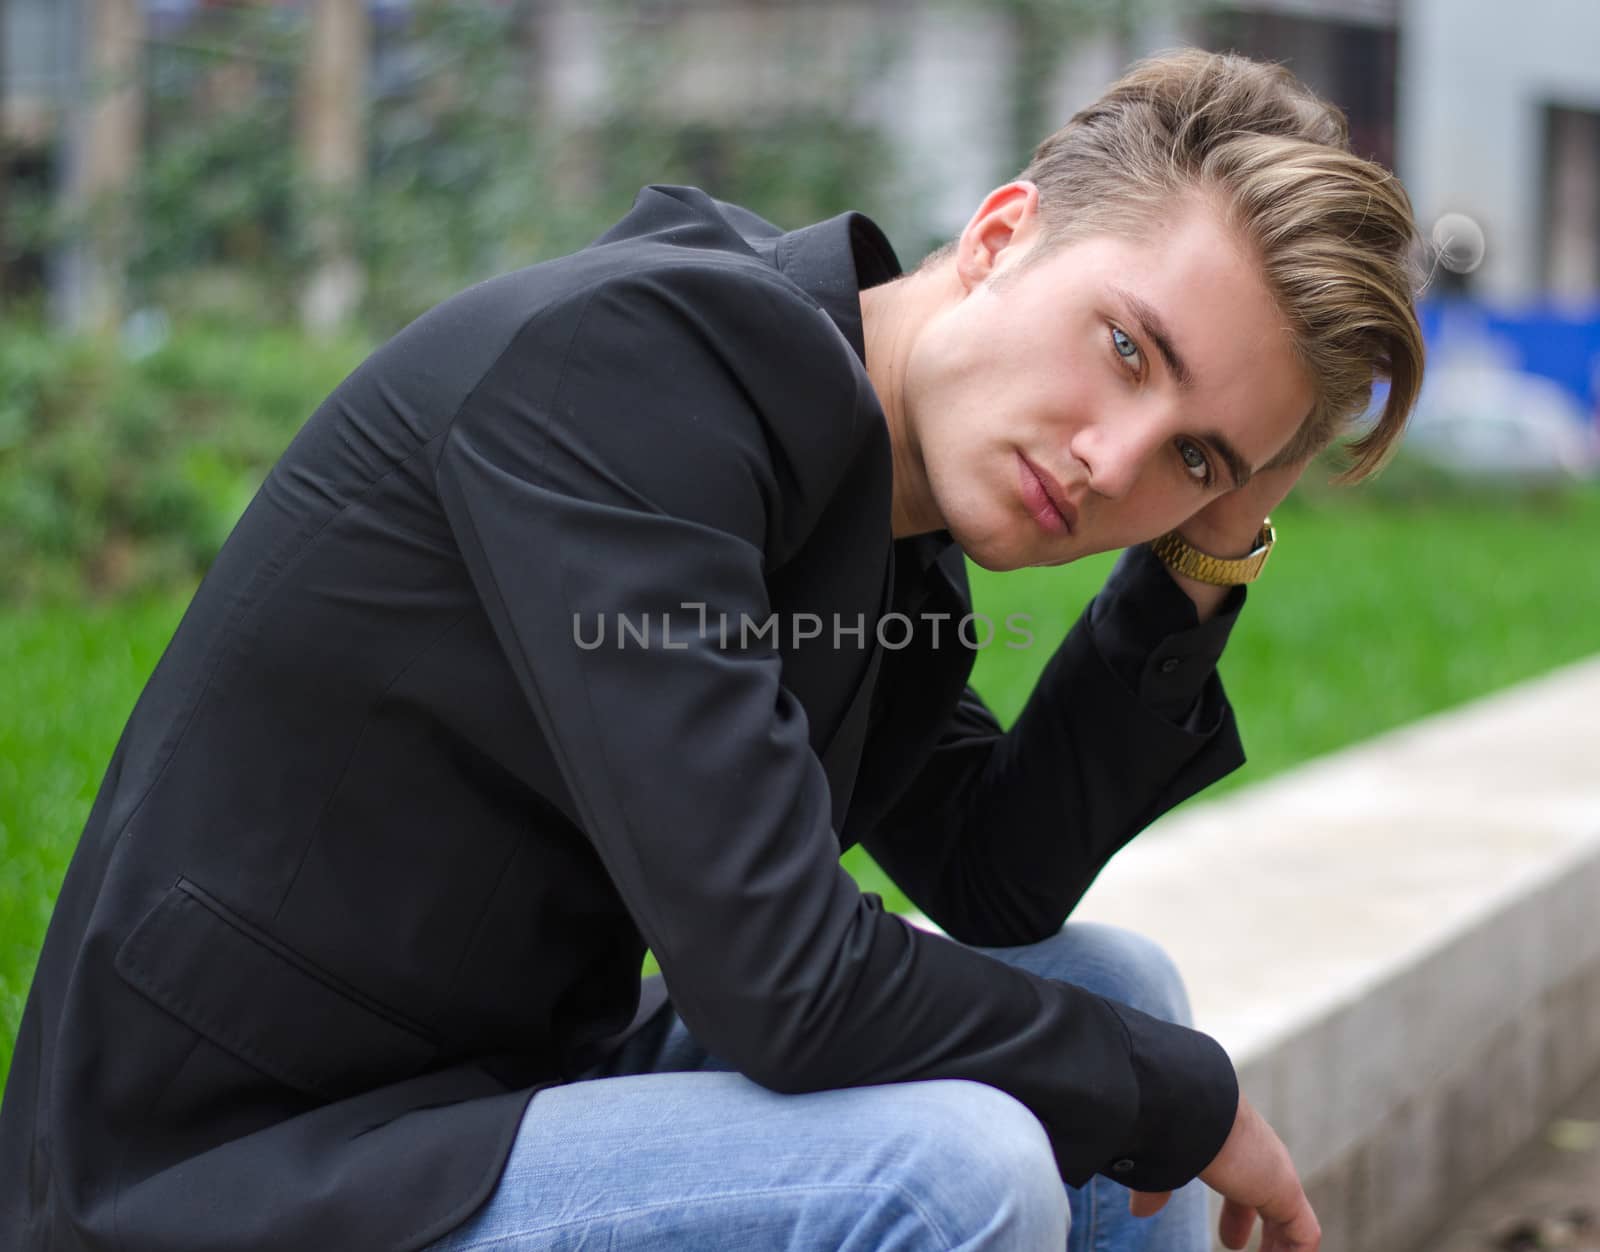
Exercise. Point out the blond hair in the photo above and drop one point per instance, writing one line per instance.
(1333, 234)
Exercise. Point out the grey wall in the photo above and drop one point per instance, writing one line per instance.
(40, 63)
(1475, 78)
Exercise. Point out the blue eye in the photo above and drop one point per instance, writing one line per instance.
(1195, 462)
(1124, 347)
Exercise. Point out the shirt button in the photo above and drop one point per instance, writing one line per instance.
(1123, 1166)
(1170, 664)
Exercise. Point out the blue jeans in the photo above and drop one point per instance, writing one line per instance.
(664, 1150)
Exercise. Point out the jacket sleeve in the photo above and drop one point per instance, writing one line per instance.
(1002, 832)
(695, 423)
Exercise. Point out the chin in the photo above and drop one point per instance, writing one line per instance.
(990, 548)
(992, 536)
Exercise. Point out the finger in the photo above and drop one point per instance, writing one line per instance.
(1302, 1235)
(1294, 1221)
(1147, 1203)
(1236, 1223)
(1280, 1242)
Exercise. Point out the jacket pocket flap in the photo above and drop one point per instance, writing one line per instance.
(247, 993)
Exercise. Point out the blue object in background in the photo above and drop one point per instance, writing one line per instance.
(1560, 344)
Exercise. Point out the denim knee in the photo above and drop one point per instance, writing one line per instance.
(1122, 965)
(981, 1165)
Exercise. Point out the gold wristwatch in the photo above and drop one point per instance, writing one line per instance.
(1178, 554)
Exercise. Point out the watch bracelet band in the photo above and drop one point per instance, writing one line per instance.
(1178, 554)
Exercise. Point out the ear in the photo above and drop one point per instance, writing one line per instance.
(1003, 226)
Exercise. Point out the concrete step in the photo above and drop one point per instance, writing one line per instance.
(1547, 1196)
(1398, 944)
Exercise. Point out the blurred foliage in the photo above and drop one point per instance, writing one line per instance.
(124, 466)
(469, 180)
(466, 174)
(1039, 31)
(469, 172)
(215, 197)
(461, 181)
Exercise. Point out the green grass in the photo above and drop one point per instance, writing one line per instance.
(1370, 615)
(68, 679)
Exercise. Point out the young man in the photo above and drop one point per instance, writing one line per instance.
(600, 609)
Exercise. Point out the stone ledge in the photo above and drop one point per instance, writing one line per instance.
(1398, 946)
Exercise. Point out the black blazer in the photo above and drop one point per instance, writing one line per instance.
(383, 843)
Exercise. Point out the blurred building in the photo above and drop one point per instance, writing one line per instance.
(38, 74)
(1484, 108)
(943, 73)
(1500, 112)
(1346, 50)
(1487, 109)
(39, 67)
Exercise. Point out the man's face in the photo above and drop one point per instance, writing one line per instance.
(1133, 379)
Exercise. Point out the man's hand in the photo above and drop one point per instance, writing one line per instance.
(1253, 1174)
(1228, 526)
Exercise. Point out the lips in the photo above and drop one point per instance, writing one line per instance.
(1045, 499)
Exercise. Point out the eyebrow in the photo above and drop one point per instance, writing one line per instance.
(1238, 468)
(1155, 330)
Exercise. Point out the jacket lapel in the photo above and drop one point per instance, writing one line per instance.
(841, 757)
(917, 686)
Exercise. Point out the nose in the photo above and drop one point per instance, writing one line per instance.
(1115, 452)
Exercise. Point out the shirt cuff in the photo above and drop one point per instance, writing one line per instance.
(1188, 1100)
(1150, 635)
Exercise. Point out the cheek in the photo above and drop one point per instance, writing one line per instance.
(1158, 503)
(943, 394)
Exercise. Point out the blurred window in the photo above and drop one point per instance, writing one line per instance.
(1351, 63)
(1570, 237)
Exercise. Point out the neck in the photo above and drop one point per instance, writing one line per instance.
(891, 316)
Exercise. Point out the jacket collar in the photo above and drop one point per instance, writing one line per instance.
(834, 261)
